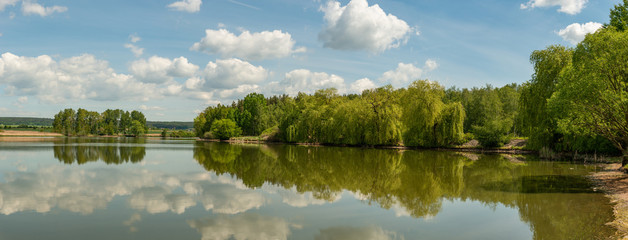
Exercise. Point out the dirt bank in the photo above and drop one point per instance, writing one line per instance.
(14, 133)
(615, 184)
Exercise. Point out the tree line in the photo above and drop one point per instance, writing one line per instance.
(110, 122)
(424, 114)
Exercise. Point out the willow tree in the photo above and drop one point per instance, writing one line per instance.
(593, 91)
(538, 124)
(422, 104)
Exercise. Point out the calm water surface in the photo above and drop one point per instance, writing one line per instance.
(180, 189)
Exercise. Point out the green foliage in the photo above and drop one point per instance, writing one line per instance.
(619, 17)
(493, 133)
(538, 123)
(181, 134)
(224, 129)
(422, 106)
(137, 128)
(110, 122)
(381, 116)
(592, 95)
(170, 125)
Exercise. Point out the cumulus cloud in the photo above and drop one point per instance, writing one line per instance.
(306, 81)
(406, 73)
(243, 226)
(30, 8)
(571, 7)
(190, 6)
(4, 3)
(357, 233)
(227, 74)
(80, 77)
(576, 32)
(361, 85)
(358, 26)
(160, 70)
(249, 46)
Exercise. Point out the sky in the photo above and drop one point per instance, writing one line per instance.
(172, 59)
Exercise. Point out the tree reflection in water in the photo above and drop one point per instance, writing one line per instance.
(108, 150)
(554, 198)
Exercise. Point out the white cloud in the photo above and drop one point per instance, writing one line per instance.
(137, 51)
(151, 108)
(134, 38)
(4, 3)
(248, 46)
(160, 70)
(576, 32)
(357, 233)
(22, 100)
(80, 77)
(430, 65)
(406, 73)
(186, 6)
(571, 7)
(30, 8)
(357, 26)
(303, 80)
(244, 226)
(361, 85)
(228, 74)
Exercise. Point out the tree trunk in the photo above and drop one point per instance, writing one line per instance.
(624, 161)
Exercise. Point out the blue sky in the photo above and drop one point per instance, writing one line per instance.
(171, 59)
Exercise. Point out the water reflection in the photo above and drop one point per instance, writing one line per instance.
(108, 150)
(416, 183)
(243, 226)
(356, 233)
(291, 192)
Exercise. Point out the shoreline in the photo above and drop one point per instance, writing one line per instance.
(614, 184)
(462, 148)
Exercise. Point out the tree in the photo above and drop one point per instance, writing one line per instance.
(225, 129)
(537, 122)
(253, 105)
(82, 124)
(137, 128)
(139, 116)
(422, 104)
(592, 95)
(619, 17)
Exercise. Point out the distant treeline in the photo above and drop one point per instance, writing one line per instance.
(170, 125)
(109, 122)
(28, 121)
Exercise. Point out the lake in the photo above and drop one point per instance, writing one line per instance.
(125, 188)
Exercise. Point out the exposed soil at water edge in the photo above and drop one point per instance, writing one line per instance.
(615, 184)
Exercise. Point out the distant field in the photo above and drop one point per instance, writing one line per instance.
(30, 132)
